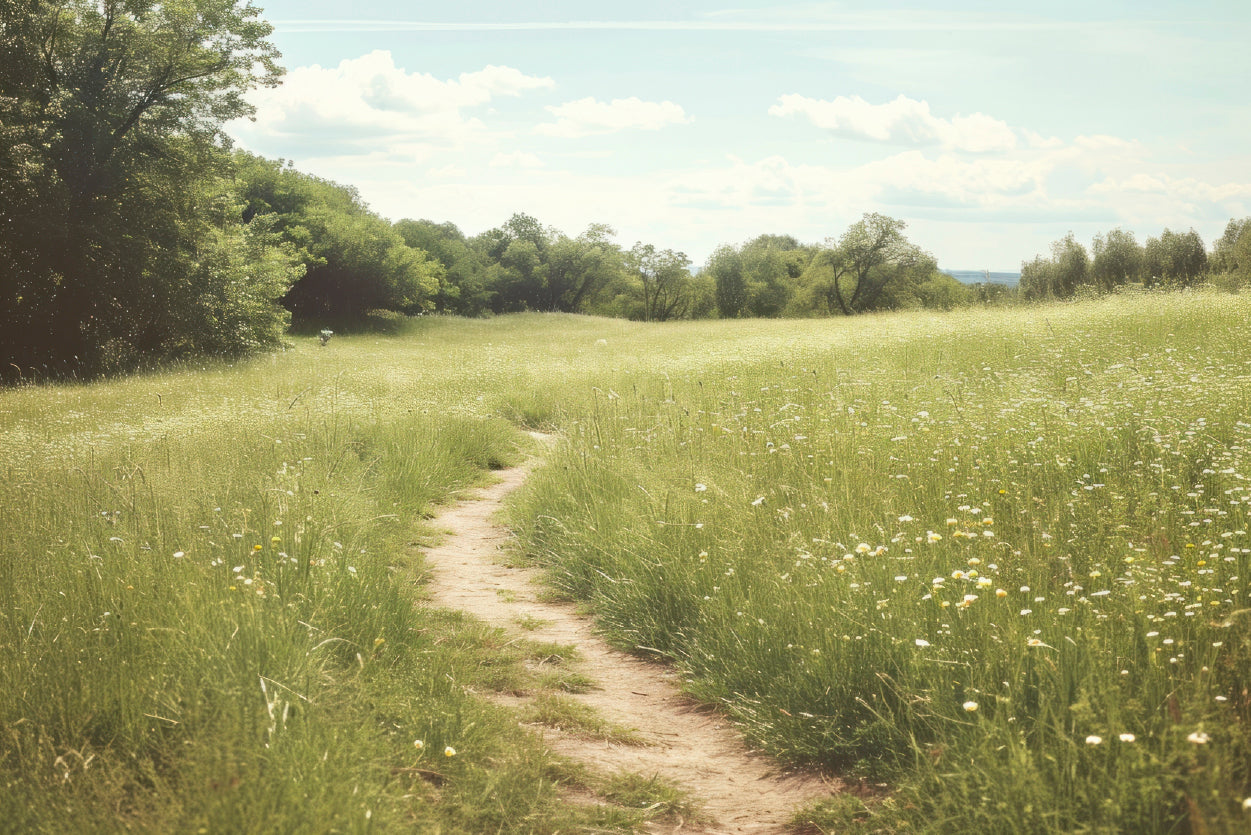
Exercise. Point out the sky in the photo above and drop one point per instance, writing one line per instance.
(991, 128)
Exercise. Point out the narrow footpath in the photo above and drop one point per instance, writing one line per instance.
(686, 744)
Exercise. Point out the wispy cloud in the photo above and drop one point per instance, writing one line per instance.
(588, 117)
(894, 23)
(903, 121)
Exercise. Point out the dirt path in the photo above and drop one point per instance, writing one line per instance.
(687, 745)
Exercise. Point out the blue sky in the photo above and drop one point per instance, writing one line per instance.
(992, 128)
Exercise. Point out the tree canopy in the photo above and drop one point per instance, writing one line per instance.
(113, 185)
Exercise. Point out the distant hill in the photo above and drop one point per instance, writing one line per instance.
(979, 277)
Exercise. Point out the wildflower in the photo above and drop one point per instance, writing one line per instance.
(1093, 739)
(933, 537)
(970, 707)
(921, 642)
(449, 751)
(256, 547)
(863, 548)
(1000, 593)
(179, 555)
(275, 541)
(699, 488)
(1035, 642)
(1199, 738)
(758, 501)
(1246, 805)
(1126, 737)
(905, 518)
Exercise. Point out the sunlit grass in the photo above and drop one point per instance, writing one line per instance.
(997, 559)
(206, 618)
(1003, 561)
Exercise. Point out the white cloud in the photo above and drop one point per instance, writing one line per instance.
(903, 121)
(1103, 142)
(588, 117)
(515, 159)
(1234, 196)
(450, 171)
(368, 103)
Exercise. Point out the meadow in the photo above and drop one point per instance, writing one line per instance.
(995, 562)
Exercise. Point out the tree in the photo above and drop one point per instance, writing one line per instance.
(771, 264)
(1231, 252)
(1117, 259)
(465, 286)
(664, 278)
(111, 112)
(1072, 266)
(725, 266)
(576, 267)
(356, 261)
(1175, 259)
(1058, 276)
(869, 255)
(1038, 278)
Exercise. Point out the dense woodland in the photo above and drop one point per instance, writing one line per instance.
(130, 231)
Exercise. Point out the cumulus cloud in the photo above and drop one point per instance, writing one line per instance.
(368, 101)
(903, 121)
(589, 117)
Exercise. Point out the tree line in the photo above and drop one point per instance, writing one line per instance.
(1115, 259)
(524, 265)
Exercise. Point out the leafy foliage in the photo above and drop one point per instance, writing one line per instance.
(114, 195)
(356, 261)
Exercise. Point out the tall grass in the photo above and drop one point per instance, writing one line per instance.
(1002, 561)
(998, 560)
(207, 617)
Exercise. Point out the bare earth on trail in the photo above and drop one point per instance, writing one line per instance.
(685, 744)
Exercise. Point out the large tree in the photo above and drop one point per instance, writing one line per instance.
(577, 267)
(869, 256)
(665, 280)
(109, 166)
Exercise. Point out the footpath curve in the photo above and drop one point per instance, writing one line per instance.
(686, 744)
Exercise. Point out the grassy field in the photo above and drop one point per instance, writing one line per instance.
(996, 560)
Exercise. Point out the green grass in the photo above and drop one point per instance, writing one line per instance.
(1000, 559)
(769, 505)
(206, 619)
(575, 718)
